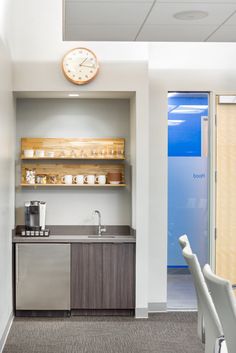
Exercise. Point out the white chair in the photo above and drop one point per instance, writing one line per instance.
(183, 241)
(212, 326)
(224, 300)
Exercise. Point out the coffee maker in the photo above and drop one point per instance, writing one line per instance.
(35, 216)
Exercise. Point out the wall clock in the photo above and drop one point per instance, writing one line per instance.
(80, 65)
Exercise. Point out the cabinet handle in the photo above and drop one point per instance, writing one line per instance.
(17, 264)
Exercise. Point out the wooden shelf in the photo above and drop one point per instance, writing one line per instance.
(72, 185)
(61, 169)
(75, 148)
(73, 158)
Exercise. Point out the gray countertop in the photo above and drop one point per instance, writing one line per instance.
(79, 234)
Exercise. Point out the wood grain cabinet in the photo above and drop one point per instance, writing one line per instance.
(103, 276)
(86, 276)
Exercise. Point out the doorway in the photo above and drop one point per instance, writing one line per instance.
(187, 190)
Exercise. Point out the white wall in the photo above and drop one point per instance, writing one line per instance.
(6, 174)
(209, 67)
(96, 118)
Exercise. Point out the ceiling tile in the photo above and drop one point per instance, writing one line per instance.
(109, 13)
(224, 34)
(101, 32)
(163, 13)
(175, 33)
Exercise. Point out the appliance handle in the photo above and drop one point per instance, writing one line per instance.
(17, 264)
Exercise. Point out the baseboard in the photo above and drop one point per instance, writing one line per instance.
(6, 332)
(156, 307)
(141, 313)
(42, 313)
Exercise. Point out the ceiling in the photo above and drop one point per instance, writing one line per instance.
(149, 20)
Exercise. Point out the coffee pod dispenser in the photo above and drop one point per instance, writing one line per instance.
(35, 217)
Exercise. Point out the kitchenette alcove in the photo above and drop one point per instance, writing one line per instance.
(96, 135)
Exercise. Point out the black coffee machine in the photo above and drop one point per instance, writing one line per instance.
(35, 216)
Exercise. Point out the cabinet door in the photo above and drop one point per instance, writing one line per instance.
(86, 276)
(118, 276)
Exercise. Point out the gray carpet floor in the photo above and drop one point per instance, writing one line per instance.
(174, 332)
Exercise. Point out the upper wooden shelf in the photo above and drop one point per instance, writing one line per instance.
(71, 158)
(73, 148)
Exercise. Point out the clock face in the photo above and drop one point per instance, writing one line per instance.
(80, 65)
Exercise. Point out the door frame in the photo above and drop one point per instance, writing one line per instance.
(212, 178)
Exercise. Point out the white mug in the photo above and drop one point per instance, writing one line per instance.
(101, 179)
(78, 179)
(90, 179)
(28, 153)
(39, 153)
(67, 179)
(50, 154)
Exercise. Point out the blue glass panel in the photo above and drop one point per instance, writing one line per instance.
(184, 125)
(187, 176)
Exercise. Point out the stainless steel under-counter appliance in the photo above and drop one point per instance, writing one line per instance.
(42, 276)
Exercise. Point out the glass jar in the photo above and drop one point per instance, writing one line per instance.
(30, 176)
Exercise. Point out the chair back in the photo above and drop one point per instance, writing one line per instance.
(224, 300)
(183, 241)
(212, 325)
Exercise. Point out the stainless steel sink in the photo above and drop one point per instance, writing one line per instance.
(84, 237)
(101, 237)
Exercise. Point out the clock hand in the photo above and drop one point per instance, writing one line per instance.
(83, 61)
(88, 66)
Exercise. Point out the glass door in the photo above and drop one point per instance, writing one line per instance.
(187, 178)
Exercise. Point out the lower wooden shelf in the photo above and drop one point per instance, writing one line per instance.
(57, 171)
(73, 185)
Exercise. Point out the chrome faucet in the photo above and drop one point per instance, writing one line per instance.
(101, 229)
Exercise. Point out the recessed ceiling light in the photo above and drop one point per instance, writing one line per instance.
(190, 15)
(73, 95)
